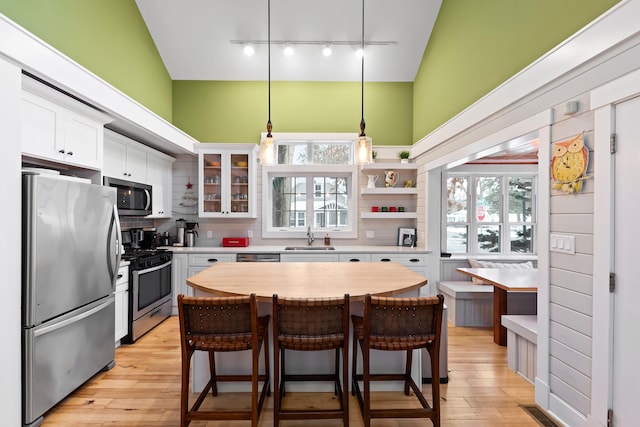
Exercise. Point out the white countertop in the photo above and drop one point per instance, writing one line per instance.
(280, 249)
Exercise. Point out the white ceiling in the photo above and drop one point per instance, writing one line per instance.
(194, 38)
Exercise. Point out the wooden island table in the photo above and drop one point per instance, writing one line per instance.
(504, 280)
(307, 279)
(304, 280)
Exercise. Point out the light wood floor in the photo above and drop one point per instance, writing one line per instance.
(143, 389)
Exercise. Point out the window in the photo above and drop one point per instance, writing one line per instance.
(313, 185)
(488, 213)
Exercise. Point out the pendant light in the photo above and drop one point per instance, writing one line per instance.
(364, 144)
(267, 146)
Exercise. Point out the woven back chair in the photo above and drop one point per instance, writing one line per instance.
(398, 324)
(222, 325)
(310, 325)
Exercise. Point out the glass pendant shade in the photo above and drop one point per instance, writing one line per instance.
(364, 148)
(268, 148)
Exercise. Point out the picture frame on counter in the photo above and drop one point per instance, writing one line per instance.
(407, 237)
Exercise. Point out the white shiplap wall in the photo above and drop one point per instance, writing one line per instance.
(571, 275)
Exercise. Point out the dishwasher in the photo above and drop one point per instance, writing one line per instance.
(260, 257)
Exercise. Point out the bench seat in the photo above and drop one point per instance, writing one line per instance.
(472, 305)
(522, 339)
(468, 304)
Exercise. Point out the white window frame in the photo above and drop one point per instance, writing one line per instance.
(349, 171)
(505, 172)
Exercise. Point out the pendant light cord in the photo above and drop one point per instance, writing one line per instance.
(362, 124)
(269, 126)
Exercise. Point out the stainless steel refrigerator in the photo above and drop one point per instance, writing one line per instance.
(70, 258)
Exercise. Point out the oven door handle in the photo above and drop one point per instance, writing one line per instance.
(149, 270)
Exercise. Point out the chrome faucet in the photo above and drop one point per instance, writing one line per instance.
(310, 237)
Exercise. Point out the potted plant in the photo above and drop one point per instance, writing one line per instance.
(374, 154)
(404, 156)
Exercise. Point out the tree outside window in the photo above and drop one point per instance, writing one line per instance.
(488, 213)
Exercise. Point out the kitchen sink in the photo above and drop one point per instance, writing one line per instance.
(309, 248)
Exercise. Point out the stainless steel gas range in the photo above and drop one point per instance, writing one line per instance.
(150, 290)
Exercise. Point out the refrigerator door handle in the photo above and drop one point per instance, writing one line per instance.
(114, 226)
(66, 322)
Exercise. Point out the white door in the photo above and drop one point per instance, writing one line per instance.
(626, 317)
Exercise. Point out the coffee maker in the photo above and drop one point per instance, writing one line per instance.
(180, 227)
(190, 234)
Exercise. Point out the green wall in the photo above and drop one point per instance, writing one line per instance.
(477, 45)
(108, 37)
(215, 111)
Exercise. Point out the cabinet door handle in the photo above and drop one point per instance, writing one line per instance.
(119, 276)
(61, 151)
(385, 260)
(414, 260)
(354, 260)
(70, 153)
(212, 260)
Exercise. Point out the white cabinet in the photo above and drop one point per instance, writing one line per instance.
(310, 257)
(124, 158)
(227, 181)
(397, 196)
(122, 303)
(184, 266)
(355, 257)
(416, 262)
(129, 160)
(200, 262)
(178, 280)
(160, 177)
(58, 128)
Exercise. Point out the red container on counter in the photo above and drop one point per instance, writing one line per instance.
(235, 242)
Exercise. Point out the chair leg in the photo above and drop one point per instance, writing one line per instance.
(435, 385)
(354, 364)
(366, 416)
(407, 372)
(212, 373)
(184, 390)
(254, 386)
(336, 372)
(345, 383)
(267, 372)
(276, 386)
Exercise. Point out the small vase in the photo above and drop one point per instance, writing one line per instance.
(404, 160)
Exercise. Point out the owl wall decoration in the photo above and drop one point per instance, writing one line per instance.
(569, 164)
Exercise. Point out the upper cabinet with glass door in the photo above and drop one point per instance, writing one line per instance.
(227, 184)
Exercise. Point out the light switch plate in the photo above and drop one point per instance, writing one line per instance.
(562, 243)
(371, 234)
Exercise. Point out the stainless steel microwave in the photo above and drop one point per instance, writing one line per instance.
(132, 198)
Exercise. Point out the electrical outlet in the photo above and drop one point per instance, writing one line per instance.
(371, 234)
(250, 233)
(209, 234)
